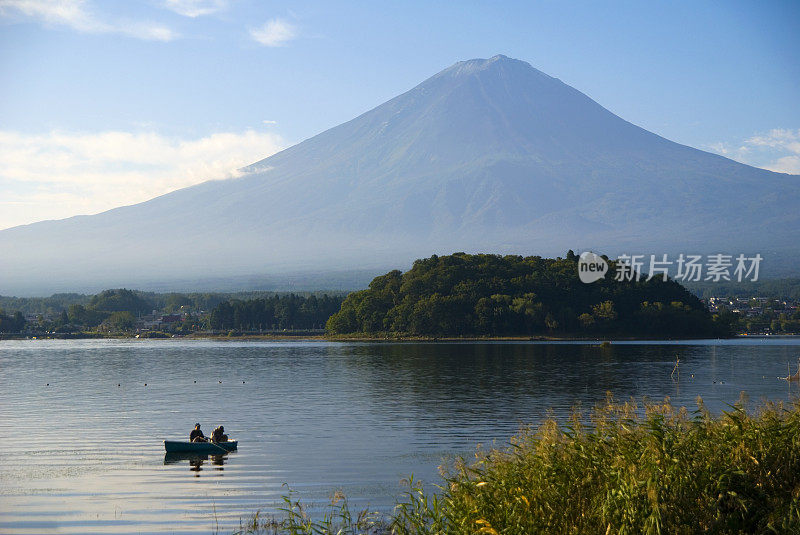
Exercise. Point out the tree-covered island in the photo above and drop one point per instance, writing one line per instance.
(493, 295)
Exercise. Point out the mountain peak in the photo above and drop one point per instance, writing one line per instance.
(477, 65)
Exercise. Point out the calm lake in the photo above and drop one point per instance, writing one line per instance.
(85, 454)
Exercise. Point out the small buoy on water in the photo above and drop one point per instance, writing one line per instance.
(145, 384)
(48, 384)
(242, 382)
(220, 382)
(195, 381)
(117, 384)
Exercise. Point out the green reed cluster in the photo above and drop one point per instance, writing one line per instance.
(629, 469)
(336, 519)
(626, 468)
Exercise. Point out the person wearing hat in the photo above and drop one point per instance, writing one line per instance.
(218, 435)
(196, 435)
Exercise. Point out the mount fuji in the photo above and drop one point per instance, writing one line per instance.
(489, 155)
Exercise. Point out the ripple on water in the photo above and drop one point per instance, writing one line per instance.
(313, 416)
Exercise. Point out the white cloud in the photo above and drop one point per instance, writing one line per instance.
(787, 164)
(196, 8)
(779, 138)
(777, 150)
(76, 15)
(68, 12)
(60, 174)
(276, 32)
(147, 32)
(719, 148)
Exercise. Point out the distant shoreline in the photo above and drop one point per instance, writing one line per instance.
(367, 338)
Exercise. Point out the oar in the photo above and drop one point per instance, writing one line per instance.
(218, 446)
(209, 441)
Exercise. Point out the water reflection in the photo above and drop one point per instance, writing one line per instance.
(314, 415)
(196, 461)
(481, 382)
(478, 381)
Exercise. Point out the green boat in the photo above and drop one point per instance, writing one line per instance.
(173, 446)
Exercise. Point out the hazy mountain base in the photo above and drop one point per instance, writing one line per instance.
(185, 282)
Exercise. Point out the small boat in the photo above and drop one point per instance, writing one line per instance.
(173, 446)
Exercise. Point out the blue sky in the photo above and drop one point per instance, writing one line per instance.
(106, 103)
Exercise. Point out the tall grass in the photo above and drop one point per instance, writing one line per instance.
(336, 519)
(625, 468)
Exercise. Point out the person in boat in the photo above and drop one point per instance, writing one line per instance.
(196, 435)
(218, 435)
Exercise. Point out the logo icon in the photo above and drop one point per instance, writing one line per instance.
(591, 267)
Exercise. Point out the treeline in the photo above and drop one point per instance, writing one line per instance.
(275, 312)
(494, 295)
(43, 305)
(117, 309)
(163, 302)
(122, 310)
(166, 302)
(11, 323)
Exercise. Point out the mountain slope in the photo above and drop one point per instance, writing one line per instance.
(487, 155)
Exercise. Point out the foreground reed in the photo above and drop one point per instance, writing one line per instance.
(625, 468)
(335, 519)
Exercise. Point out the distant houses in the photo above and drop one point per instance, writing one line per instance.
(161, 322)
(760, 315)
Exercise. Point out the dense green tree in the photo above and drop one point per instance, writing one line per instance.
(587, 321)
(121, 320)
(174, 302)
(88, 317)
(463, 294)
(290, 311)
(120, 300)
(12, 323)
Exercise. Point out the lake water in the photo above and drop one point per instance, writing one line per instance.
(84, 455)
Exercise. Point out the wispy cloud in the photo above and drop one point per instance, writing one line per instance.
(196, 8)
(58, 174)
(77, 15)
(778, 138)
(276, 32)
(777, 150)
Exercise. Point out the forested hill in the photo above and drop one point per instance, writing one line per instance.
(469, 295)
